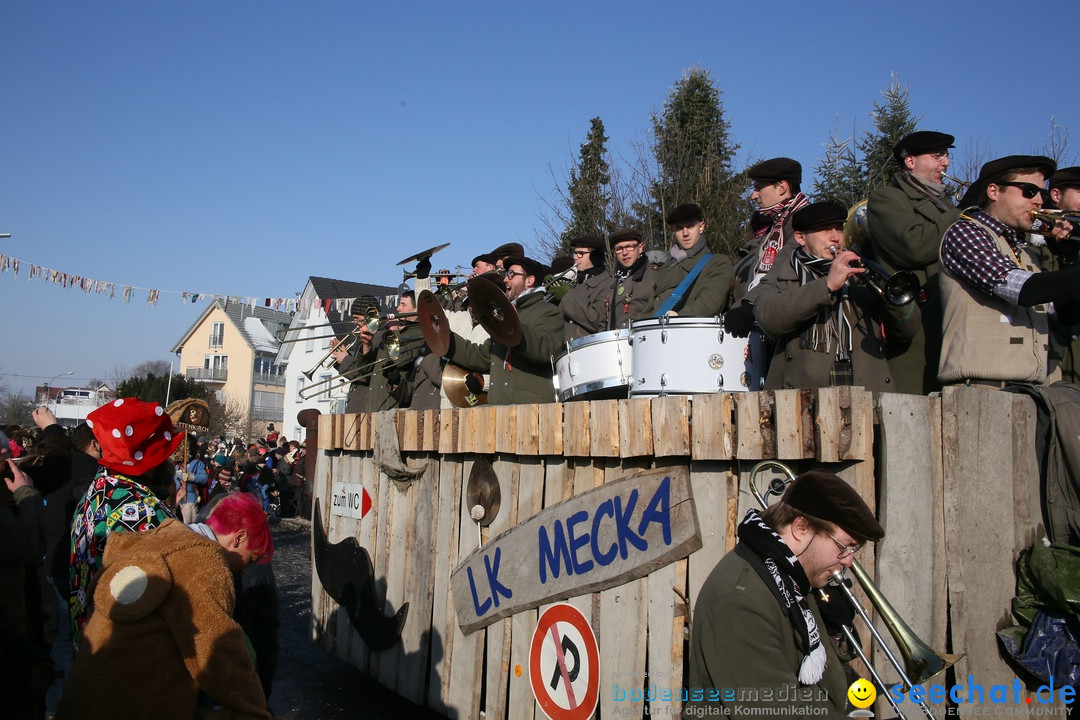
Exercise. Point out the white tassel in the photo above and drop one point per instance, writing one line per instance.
(813, 666)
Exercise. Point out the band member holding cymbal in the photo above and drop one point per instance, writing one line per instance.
(521, 373)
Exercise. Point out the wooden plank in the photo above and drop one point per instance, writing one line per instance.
(487, 429)
(604, 428)
(829, 425)
(443, 624)
(430, 439)
(419, 586)
(575, 548)
(666, 616)
(550, 435)
(497, 666)
(402, 499)
(448, 422)
(530, 502)
(466, 662)
(635, 427)
(576, 439)
(712, 432)
(624, 611)
(506, 422)
(756, 434)
(409, 426)
(672, 414)
(709, 481)
(794, 432)
(860, 416)
(980, 467)
(326, 431)
(527, 429)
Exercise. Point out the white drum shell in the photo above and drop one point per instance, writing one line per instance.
(690, 356)
(600, 362)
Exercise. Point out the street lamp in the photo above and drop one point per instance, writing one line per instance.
(49, 384)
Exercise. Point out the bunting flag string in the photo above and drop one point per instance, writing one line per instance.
(109, 290)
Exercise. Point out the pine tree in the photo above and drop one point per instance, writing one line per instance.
(694, 155)
(839, 177)
(588, 192)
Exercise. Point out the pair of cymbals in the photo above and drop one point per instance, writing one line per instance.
(493, 310)
(463, 388)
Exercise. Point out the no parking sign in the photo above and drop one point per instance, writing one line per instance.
(564, 664)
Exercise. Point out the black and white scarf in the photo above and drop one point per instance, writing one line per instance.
(831, 331)
(791, 587)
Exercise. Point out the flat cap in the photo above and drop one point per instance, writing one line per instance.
(777, 169)
(1066, 177)
(361, 305)
(624, 235)
(921, 142)
(827, 497)
(508, 249)
(484, 257)
(591, 242)
(561, 263)
(995, 169)
(818, 215)
(684, 212)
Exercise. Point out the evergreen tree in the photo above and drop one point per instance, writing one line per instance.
(694, 155)
(588, 191)
(850, 171)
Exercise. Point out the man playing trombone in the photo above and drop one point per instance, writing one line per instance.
(390, 363)
(346, 360)
(827, 329)
(757, 637)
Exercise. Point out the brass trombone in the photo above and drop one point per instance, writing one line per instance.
(919, 661)
(345, 343)
(391, 343)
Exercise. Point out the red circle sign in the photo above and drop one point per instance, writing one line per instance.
(564, 664)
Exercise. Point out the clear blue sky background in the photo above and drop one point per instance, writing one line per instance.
(239, 147)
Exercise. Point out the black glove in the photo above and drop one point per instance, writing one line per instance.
(1066, 250)
(393, 376)
(836, 609)
(423, 268)
(739, 320)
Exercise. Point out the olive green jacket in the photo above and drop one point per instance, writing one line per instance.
(707, 295)
(521, 374)
(742, 646)
(906, 227)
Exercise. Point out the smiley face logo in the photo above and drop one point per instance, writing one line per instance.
(862, 693)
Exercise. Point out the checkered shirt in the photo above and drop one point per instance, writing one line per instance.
(969, 253)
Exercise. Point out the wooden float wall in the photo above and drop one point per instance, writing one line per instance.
(958, 496)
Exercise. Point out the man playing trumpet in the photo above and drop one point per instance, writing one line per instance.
(827, 329)
(345, 357)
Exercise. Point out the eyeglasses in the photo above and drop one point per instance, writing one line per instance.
(1028, 190)
(513, 274)
(581, 253)
(620, 249)
(845, 550)
(940, 155)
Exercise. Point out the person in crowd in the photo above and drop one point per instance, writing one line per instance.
(583, 304)
(995, 298)
(523, 373)
(196, 479)
(693, 282)
(758, 625)
(906, 220)
(166, 598)
(827, 329)
(133, 490)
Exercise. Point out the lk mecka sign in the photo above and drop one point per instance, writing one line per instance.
(607, 536)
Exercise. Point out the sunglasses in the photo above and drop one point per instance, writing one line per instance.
(1028, 190)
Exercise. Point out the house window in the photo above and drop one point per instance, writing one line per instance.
(217, 335)
(216, 362)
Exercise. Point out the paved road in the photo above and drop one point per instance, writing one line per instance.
(311, 684)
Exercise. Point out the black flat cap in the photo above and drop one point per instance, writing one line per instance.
(592, 242)
(818, 215)
(827, 497)
(1066, 177)
(921, 142)
(531, 267)
(684, 212)
(508, 249)
(624, 235)
(777, 169)
(484, 257)
(361, 305)
(561, 263)
(995, 169)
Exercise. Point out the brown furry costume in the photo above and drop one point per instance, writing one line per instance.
(162, 630)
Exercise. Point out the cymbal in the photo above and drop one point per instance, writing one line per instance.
(456, 382)
(482, 492)
(424, 254)
(433, 323)
(494, 311)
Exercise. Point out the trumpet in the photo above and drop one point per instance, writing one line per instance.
(391, 343)
(919, 661)
(1049, 216)
(897, 289)
(346, 343)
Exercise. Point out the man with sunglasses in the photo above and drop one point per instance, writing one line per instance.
(906, 220)
(994, 297)
(758, 642)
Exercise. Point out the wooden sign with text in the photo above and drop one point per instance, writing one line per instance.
(605, 537)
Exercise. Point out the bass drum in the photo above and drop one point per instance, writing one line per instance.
(690, 356)
(595, 367)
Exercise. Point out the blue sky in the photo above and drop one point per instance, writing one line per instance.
(239, 147)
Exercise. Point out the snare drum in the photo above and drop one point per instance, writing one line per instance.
(688, 356)
(595, 366)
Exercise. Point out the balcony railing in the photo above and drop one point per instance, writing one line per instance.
(207, 374)
(268, 379)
